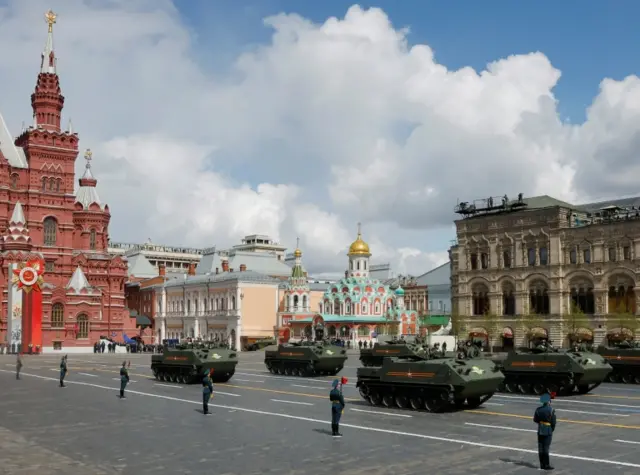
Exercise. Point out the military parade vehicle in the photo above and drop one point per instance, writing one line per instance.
(546, 369)
(624, 357)
(187, 363)
(435, 384)
(260, 344)
(396, 347)
(306, 358)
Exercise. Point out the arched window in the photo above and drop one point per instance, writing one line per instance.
(295, 302)
(481, 300)
(58, 184)
(582, 297)
(92, 240)
(52, 184)
(304, 302)
(377, 308)
(539, 298)
(50, 231)
(347, 307)
(57, 316)
(44, 183)
(83, 327)
(508, 299)
(336, 307)
(14, 181)
(365, 308)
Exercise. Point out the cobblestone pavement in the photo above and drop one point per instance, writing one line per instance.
(268, 424)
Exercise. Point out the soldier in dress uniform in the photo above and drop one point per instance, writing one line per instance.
(63, 370)
(207, 392)
(545, 417)
(337, 406)
(124, 379)
(18, 366)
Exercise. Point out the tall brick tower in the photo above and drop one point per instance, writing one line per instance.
(83, 297)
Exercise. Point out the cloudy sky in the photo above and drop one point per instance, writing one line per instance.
(210, 120)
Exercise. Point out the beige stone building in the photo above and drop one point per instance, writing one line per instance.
(542, 267)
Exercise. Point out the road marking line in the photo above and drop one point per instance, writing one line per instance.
(167, 385)
(225, 394)
(499, 427)
(353, 426)
(567, 401)
(614, 397)
(293, 402)
(308, 387)
(593, 413)
(381, 413)
(87, 374)
(627, 441)
(492, 404)
(248, 380)
(570, 421)
(118, 379)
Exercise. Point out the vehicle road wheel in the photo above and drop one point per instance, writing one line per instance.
(511, 387)
(524, 388)
(364, 391)
(287, 371)
(432, 405)
(402, 402)
(375, 398)
(155, 373)
(614, 377)
(627, 379)
(416, 403)
(388, 400)
(538, 389)
(473, 402)
(552, 388)
(280, 371)
(637, 379)
(160, 376)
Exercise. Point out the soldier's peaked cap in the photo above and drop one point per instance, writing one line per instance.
(545, 398)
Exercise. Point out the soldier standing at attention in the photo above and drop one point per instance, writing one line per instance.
(545, 417)
(207, 392)
(124, 379)
(63, 370)
(18, 366)
(337, 406)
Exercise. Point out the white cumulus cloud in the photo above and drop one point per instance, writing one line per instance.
(323, 126)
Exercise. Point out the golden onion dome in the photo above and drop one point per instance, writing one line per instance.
(297, 253)
(359, 247)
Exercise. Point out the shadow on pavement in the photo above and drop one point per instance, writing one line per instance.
(520, 463)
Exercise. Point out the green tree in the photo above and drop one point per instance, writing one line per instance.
(493, 324)
(622, 318)
(456, 324)
(575, 320)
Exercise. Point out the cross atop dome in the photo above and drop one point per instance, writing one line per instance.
(359, 247)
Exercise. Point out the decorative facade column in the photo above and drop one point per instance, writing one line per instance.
(238, 312)
(196, 327)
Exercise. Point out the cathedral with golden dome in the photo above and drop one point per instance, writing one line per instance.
(357, 307)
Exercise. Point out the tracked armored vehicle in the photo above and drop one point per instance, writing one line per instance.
(434, 384)
(625, 360)
(546, 369)
(187, 363)
(306, 358)
(398, 348)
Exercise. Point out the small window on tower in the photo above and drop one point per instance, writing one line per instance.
(14, 181)
(44, 183)
(49, 266)
(92, 240)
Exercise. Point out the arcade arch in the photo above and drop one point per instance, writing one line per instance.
(480, 299)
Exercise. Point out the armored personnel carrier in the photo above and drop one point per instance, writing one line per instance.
(545, 369)
(625, 360)
(260, 344)
(306, 358)
(187, 363)
(395, 347)
(434, 384)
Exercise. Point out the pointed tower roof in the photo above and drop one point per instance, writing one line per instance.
(87, 193)
(17, 237)
(78, 281)
(48, 63)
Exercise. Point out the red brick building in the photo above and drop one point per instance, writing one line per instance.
(83, 295)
